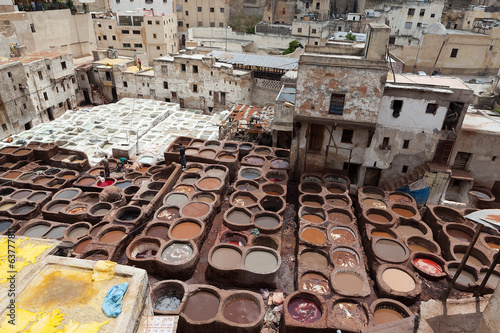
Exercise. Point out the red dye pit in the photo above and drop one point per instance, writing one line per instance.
(105, 183)
(428, 266)
(304, 310)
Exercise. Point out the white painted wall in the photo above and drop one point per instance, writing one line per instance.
(162, 6)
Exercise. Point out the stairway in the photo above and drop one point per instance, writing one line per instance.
(97, 89)
(408, 178)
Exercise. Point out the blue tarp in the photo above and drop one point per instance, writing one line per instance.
(420, 196)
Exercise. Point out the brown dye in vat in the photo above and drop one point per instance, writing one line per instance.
(195, 209)
(304, 310)
(313, 260)
(204, 198)
(112, 236)
(214, 172)
(471, 260)
(241, 311)
(96, 172)
(244, 200)
(401, 199)
(382, 234)
(42, 181)
(465, 277)
(311, 203)
(82, 246)
(378, 218)
(208, 154)
(226, 257)
(386, 315)
(460, 235)
(314, 236)
(349, 283)
(351, 315)
(387, 248)
(12, 175)
(210, 183)
(339, 218)
(336, 202)
(239, 217)
(374, 203)
(315, 283)
(310, 190)
(86, 181)
(226, 157)
(8, 150)
(201, 306)
(313, 218)
(342, 236)
(419, 248)
(186, 230)
(409, 230)
(184, 189)
(7, 206)
(403, 212)
(168, 214)
(335, 190)
(160, 232)
(344, 259)
(193, 169)
(398, 280)
(273, 193)
(494, 246)
(68, 176)
(77, 210)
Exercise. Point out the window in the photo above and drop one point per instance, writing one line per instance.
(222, 10)
(337, 104)
(157, 47)
(110, 27)
(316, 133)
(138, 45)
(195, 88)
(406, 144)
(45, 96)
(433, 15)
(221, 25)
(422, 12)
(165, 85)
(40, 76)
(347, 136)
(411, 11)
(127, 45)
(187, 13)
(284, 11)
(164, 69)
(431, 108)
(125, 32)
(397, 105)
(183, 67)
(180, 24)
(105, 37)
(98, 37)
(4, 127)
(313, 31)
(212, 24)
(212, 10)
(125, 84)
(9, 74)
(317, 5)
(392, 40)
(154, 35)
(493, 159)
(195, 69)
(157, 22)
(408, 25)
(307, 5)
(99, 25)
(136, 32)
(419, 24)
(385, 142)
(167, 100)
(405, 169)
(199, 9)
(200, 24)
(150, 22)
(114, 37)
(299, 30)
(454, 53)
(61, 104)
(187, 25)
(82, 77)
(32, 28)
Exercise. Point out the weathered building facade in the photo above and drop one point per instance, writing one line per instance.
(36, 88)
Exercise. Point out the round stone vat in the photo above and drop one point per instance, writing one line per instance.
(81, 245)
(283, 153)
(210, 184)
(75, 211)
(340, 216)
(447, 214)
(23, 210)
(311, 200)
(344, 257)
(243, 311)
(306, 178)
(52, 208)
(492, 282)
(313, 236)
(77, 230)
(402, 198)
(129, 215)
(180, 253)
(334, 178)
(190, 178)
(404, 211)
(455, 233)
(207, 197)
(167, 213)
(310, 188)
(312, 215)
(267, 222)
(226, 157)
(196, 143)
(304, 308)
(5, 191)
(410, 227)
(491, 242)
(21, 194)
(246, 185)
(368, 203)
(312, 259)
(186, 229)
(56, 183)
(112, 235)
(202, 306)
(100, 209)
(234, 238)
(148, 195)
(96, 228)
(342, 235)
(388, 310)
(155, 186)
(338, 200)
(348, 282)
(263, 151)
(373, 192)
(142, 252)
(130, 191)
(139, 180)
(314, 282)
(226, 257)
(168, 297)
(207, 153)
(219, 171)
(86, 181)
(265, 241)
(68, 174)
(175, 199)
(36, 229)
(468, 278)
(390, 250)
(199, 210)
(5, 224)
(212, 144)
(273, 189)
(397, 281)
(96, 254)
(68, 194)
(262, 260)
(336, 188)
(280, 163)
(157, 230)
(421, 244)
(429, 265)
(250, 173)
(349, 315)
(191, 151)
(194, 167)
(379, 217)
(56, 231)
(132, 175)
(273, 203)
(245, 148)
(477, 257)
(381, 232)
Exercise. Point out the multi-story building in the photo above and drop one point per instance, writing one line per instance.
(35, 88)
(142, 31)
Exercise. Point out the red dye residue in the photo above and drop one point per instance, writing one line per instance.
(105, 183)
(428, 266)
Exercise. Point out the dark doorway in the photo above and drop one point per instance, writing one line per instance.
(183, 40)
(181, 103)
(372, 177)
(69, 104)
(316, 134)
(461, 160)
(86, 96)
(452, 116)
(352, 171)
(115, 96)
(50, 113)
